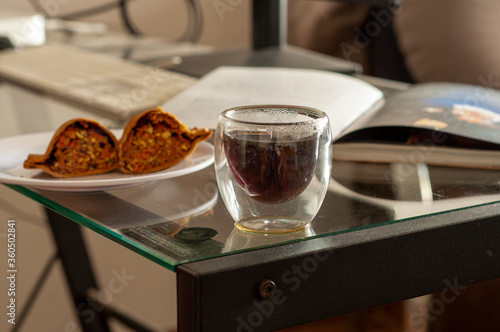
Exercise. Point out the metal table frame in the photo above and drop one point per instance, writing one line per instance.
(297, 283)
(334, 275)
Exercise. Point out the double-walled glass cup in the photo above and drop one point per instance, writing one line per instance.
(273, 164)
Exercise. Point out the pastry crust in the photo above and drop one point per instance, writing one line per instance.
(79, 147)
(155, 140)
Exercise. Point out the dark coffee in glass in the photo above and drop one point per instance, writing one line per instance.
(271, 170)
(273, 165)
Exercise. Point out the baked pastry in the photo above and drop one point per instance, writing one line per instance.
(155, 140)
(79, 147)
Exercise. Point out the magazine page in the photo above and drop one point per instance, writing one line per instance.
(464, 114)
(343, 98)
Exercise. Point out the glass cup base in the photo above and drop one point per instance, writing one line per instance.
(271, 225)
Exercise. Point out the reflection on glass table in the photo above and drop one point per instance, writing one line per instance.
(180, 220)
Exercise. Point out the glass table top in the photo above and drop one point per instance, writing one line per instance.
(180, 220)
(183, 219)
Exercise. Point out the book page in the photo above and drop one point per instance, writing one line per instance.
(342, 97)
(451, 114)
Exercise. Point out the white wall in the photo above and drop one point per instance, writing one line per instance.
(227, 22)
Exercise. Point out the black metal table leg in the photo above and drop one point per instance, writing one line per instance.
(78, 271)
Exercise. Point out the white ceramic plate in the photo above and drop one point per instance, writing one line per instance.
(14, 151)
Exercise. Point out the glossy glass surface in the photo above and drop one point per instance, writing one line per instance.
(183, 219)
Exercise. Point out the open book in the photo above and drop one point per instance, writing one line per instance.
(434, 123)
(445, 124)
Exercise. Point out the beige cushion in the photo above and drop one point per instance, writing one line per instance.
(451, 40)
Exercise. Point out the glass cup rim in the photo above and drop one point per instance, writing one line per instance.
(322, 116)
